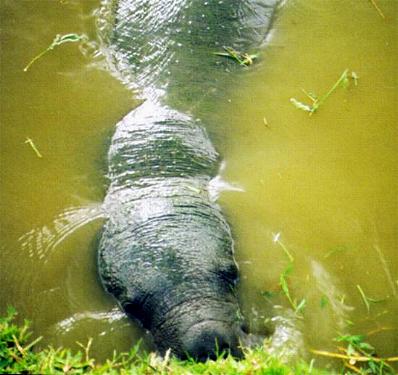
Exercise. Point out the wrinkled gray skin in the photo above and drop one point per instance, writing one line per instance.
(166, 252)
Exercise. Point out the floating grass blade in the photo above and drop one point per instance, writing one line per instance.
(297, 307)
(367, 300)
(318, 101)
(355, 77)
(343, 80)
(323, 302)
(287, 252)
(364, 298)
(34, 148)
(276, 239)
(240, 57)
(302, 106)
(284, 285)
(268, 294)
(58, 40)
(378, 9)
(310, 95)
(301, 305)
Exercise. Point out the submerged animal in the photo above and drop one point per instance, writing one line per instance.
(166, 250)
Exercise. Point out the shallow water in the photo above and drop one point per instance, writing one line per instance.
(324, 187)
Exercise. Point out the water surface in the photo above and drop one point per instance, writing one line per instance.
(323, 187)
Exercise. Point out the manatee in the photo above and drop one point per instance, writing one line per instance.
(166, 250)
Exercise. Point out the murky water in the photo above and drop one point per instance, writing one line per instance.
(323, 188)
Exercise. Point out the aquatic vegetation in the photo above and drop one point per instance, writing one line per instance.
(343, 81)
(265, 122)
(20, 355)
(58, 40)
(356, 354)
(298, 306)
(276, 239)
(269, 293)
(367, 300)
(34, 148)
(355, 77)
(242, 58)
(336, 249)
(359, 356)
(378, 9)
(324, 301)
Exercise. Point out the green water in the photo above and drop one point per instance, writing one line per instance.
(322, 187)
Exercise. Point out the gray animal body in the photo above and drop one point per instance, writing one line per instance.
(166, 251)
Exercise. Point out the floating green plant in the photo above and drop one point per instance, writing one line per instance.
(378, 9)
(240, 57)
(324, 301)
(343, 81)
(367, 300)
(298, 307)
(58, 40)
(268, 294)
(276, 239)
(34, 148)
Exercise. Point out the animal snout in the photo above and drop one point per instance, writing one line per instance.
(211, 341)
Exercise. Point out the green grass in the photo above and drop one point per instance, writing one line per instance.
(317, 102)
(298, 306)
(20, 353)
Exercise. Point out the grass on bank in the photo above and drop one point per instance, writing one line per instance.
(20, 353)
